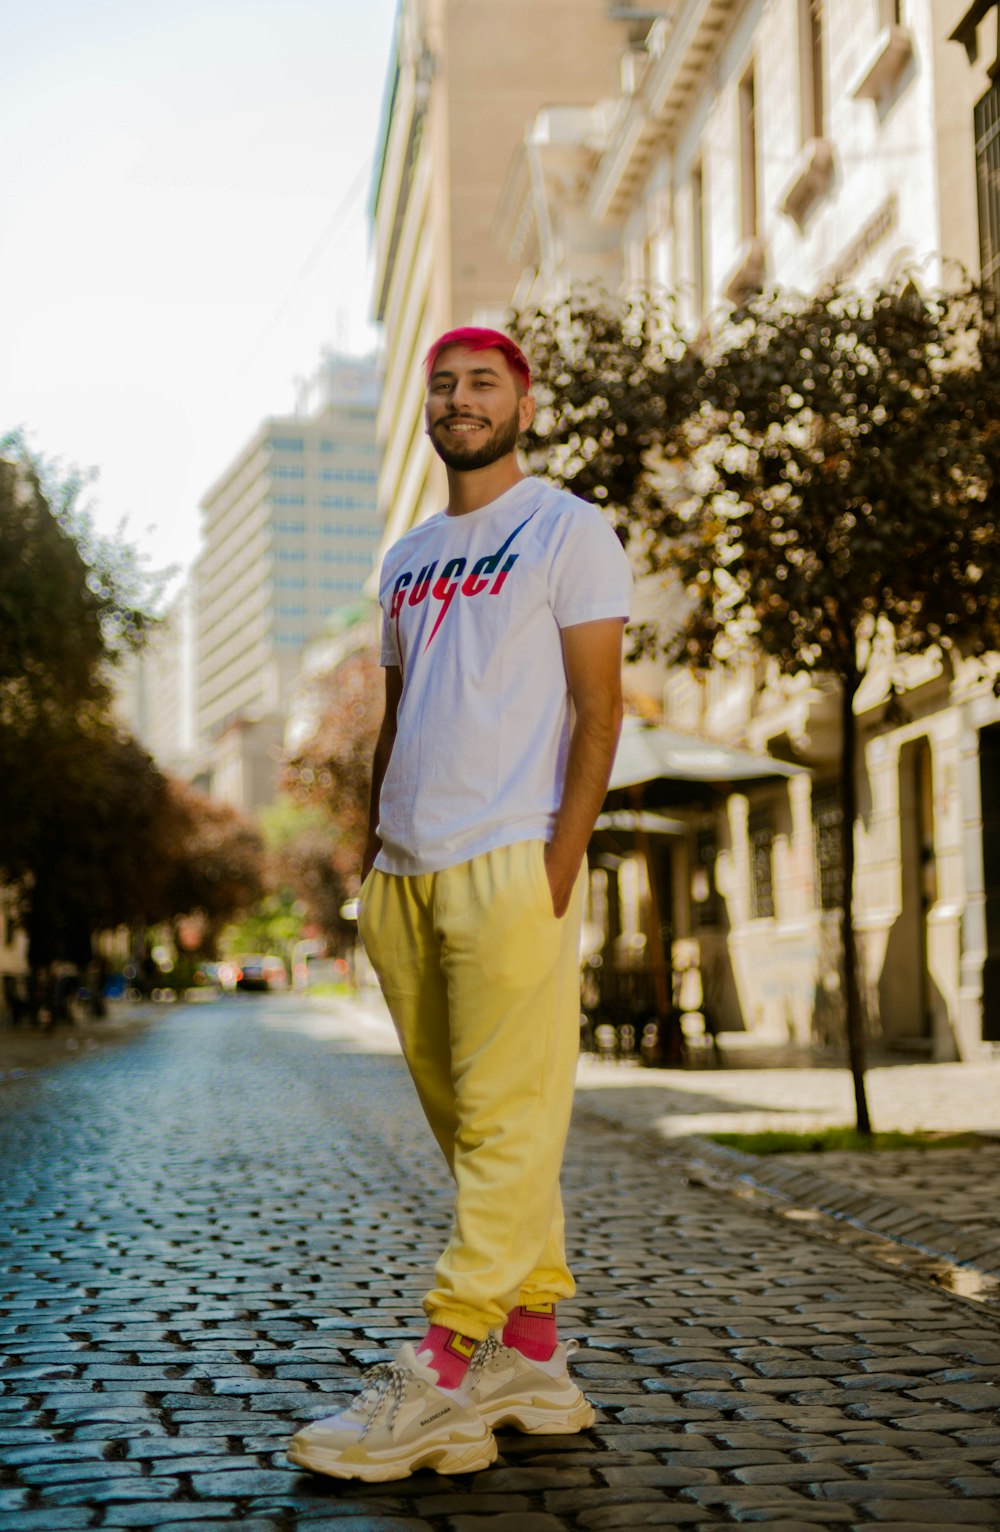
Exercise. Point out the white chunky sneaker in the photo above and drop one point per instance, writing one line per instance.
(509, 1389)
(402, 1420)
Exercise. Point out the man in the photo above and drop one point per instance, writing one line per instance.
(502, 630)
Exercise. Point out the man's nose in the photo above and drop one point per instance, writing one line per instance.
(461, 396)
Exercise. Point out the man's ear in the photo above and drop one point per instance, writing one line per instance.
(526, 410)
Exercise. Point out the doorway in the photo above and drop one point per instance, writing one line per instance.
(907, 991)
(989, 771)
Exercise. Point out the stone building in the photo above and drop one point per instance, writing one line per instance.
(791, 142)
(290, 530)
(464, 79)
(711, 148)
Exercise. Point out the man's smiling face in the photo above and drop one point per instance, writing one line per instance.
(476, 409)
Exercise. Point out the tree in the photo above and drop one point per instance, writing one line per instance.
(78, 795)
(329, 777)
(93, 835)
(614, 383)
(205, 859)
(821, 482)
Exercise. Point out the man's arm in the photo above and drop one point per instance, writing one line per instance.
(383, 750)
(592, 652)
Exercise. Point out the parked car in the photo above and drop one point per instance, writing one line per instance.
(258, 970)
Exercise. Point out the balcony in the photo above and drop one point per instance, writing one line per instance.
(892, 52)
(810, 180)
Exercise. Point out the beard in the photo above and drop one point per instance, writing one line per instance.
(498, 444)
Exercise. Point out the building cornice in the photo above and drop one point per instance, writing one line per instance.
(682, 49)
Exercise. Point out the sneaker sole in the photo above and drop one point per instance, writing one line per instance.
(542, 1420)
(446, 1458)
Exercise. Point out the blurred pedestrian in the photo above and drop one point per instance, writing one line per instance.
(502, 634)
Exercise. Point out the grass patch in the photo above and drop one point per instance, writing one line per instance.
(826, 1139)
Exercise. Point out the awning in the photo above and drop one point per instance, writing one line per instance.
(630, 820)
(650, 752)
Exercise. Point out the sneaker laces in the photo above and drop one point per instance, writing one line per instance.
(385, 1378)
(486, 1351)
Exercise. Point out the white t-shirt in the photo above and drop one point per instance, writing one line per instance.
(471, 611)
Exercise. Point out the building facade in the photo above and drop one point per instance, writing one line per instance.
(792, 143)
(726, 146)
(464, 79)
(154, 689)
(290, 532)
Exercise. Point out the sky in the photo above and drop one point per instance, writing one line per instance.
(184, 196)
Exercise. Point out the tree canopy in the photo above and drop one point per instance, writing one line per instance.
(92, 834)
(328, 778)
(818, 478)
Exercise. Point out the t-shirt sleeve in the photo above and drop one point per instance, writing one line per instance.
(590, 576)
(390, 653)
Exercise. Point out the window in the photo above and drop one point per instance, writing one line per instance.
(349, 475)
(748, 156)
(288, 499)
(812, 102)
(287, 444)
(707, 909)
(827, 819)
(761, 836)
(345, 503)
(987, 128)
(698, 239)
(288, 471)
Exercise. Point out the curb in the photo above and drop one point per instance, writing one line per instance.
(874, 1214)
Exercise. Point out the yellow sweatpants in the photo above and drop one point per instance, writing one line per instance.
(482, 982)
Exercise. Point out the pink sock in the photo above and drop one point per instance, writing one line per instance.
(449, 1353)
(531, 1329)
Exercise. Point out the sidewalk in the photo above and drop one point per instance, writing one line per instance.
(26, 1046)
(942, 1202)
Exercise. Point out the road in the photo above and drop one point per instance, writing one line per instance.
(211, 1230)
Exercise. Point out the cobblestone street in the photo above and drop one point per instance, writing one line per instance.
(210, 1231)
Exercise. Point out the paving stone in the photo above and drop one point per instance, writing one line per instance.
(520, 1521)
(110, 1491)
(256, 1481)
(789, 1473)
(665, 1477)
(188, 1292)
(50, 1452)
(968, 1396)
(906, 1469)
(336, 1523)
(253, 1524)
(896, 1489)
(475, 1502)
(153, 1514)
(915, 1526)
(496, 1480)
(965, 1513)
(77, 1473)
(986, 1486)
(51, 1519)
(657, 1513)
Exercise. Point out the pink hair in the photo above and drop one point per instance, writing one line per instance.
(472, 338)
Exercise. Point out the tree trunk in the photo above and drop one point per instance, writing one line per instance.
(849, 811)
